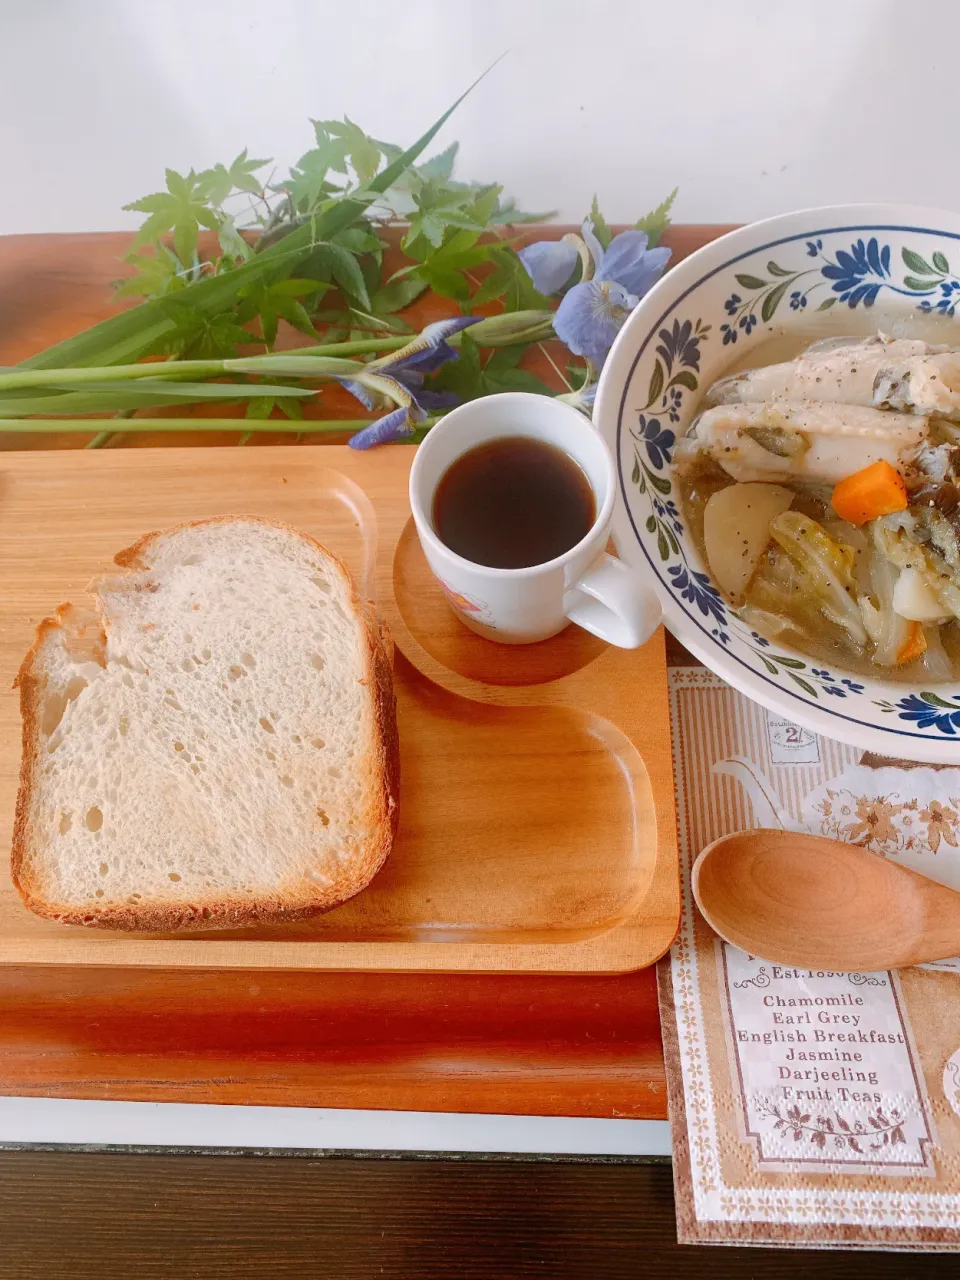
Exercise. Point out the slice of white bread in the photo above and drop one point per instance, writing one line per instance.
(218, 747)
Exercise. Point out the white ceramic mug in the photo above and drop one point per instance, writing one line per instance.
(584, 585)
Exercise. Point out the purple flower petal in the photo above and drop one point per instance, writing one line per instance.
(593, 244)
(366, 397)
(424, 360)
(392, 382)
(630, 263)
(429, 349)
(549, 264)
(438, 399)
(387, 430)
(412, 379)
(440, 330)
(396, 425)
(384, 385)
(590, 316)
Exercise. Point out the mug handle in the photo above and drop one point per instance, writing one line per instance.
(610, 602)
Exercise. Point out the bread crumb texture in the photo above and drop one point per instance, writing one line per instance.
(217, 747)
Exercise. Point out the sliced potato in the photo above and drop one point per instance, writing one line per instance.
(914, 599)
(736, 531)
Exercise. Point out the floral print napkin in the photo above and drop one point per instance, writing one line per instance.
(808, 1108)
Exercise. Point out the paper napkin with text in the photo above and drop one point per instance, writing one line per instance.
(808, 1107)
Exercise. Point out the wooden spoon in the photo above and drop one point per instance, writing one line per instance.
(804, 900)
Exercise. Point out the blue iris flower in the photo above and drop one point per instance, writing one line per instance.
(582, 399)
(550, 263)
(398, 379)
(615, 279)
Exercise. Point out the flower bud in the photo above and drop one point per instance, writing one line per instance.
(513, 327)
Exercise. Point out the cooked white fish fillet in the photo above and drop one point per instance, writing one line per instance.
(878, 372)
(807, 440)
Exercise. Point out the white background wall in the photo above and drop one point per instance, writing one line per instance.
(752, 106)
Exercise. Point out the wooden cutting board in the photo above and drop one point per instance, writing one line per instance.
(537, 827)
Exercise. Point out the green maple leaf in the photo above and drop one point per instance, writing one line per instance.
(460, 252)
(307, 184)
(152, 328)
(439, 206)
(440, 166)
(232, 242)
(470, 378)
(359, 239)
(510, 281)
(332, 147)
(158, 273)
(182, 209)
(276, 301)
(362, 152)
(500, 373)
(262, 406)
(446, 282)
(368, 322)
(221, 181)
(507, 212)
(396, 295)
(398, 198)
(332, 262)
(196, 335)
(657, 220)
(600, 228)
(371, 268)
(485, 202)
(464, 377)
(338, 142)
(445, 269)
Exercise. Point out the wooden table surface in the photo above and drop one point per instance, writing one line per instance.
(550, 1046)
(576, 1046)
(66, 1216)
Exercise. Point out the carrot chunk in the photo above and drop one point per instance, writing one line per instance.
(877, 490)
(914, 645)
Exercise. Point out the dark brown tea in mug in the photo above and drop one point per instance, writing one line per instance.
(513, 502)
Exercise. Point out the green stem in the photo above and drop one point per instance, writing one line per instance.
(553, 364)
(45, 426)
(103, 438)
(357, 348)
(331, 354)
(112, 373)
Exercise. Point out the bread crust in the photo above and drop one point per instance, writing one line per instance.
(301, 900)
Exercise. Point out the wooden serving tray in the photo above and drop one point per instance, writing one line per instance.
(537, 825)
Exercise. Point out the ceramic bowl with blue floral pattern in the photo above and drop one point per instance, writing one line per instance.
(846, 267)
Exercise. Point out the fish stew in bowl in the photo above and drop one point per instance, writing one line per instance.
(821, 484)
